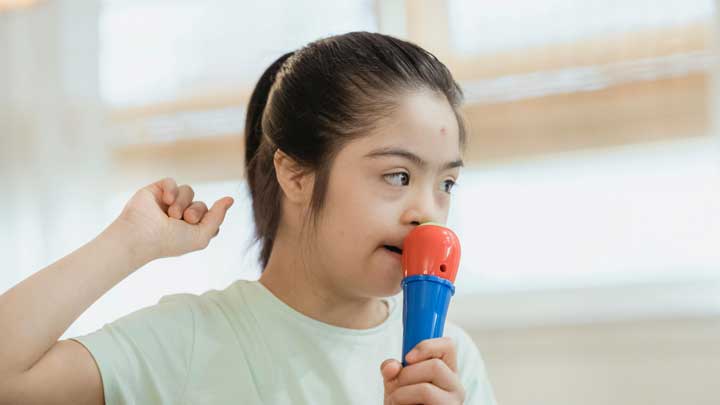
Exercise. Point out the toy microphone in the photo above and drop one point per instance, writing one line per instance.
(430, 259)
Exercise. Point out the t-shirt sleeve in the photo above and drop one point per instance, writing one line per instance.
(471, 367)
(144, 357)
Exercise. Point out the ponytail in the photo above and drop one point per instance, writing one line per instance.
(259, 167)
(256, 107)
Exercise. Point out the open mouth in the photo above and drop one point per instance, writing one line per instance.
(393, 249)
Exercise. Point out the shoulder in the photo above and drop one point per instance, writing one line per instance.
(211, 302)
(227, 314)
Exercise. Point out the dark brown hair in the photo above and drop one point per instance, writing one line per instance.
(309, 103)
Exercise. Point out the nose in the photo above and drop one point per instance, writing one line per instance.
(422, 207)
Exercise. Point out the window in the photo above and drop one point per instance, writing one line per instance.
(489, 26)
(154, 51)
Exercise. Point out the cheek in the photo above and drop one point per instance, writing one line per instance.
(355, 216)
(351, 208)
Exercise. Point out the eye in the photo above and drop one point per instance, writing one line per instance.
(398, 179)
(448, 185)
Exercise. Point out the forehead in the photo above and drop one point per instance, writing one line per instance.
(423, 122)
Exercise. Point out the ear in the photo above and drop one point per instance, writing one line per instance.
(295, 181)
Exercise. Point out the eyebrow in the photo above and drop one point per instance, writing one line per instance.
(405, 154)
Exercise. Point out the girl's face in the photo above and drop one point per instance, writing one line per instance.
(381, 186)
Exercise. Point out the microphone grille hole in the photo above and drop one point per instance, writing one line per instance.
(443, 268)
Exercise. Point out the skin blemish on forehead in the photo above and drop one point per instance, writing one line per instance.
(443, 131)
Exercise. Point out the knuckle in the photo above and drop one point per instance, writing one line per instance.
(449, 345)
(187, 189)
(426, 391)
(436, 366)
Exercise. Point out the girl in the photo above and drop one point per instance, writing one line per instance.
(351, 142)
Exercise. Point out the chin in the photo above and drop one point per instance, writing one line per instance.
(378, 287)
(390, 286)
(395, 291)
(388, 291)
(385, 293)
(381, 278)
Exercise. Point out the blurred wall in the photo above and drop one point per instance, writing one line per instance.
(671, 361)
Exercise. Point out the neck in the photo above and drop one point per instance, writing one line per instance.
(299, 283)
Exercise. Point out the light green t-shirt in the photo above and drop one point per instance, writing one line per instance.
(242, 345)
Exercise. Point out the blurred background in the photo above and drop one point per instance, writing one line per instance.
(589, 210)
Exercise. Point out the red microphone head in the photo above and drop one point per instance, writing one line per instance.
(431, 249)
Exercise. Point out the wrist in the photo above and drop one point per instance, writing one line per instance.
(121, 236)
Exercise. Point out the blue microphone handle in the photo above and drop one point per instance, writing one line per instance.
(425, 303)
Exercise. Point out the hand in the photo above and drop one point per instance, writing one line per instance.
(162, 220)
(429, 378)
